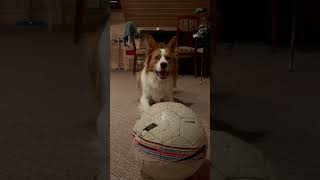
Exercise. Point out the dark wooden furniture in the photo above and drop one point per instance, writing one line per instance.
(186, 27)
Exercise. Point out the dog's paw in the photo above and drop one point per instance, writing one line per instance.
(143, 108)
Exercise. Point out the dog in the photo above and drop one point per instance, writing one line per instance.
(158, 78)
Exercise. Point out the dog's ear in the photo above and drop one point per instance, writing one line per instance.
(152, 44)
(172, 44)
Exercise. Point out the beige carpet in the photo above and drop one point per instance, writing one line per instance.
(124, 97)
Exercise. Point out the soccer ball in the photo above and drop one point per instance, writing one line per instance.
(168, 142)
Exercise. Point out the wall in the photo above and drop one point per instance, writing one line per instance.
(161, 13)
(116, 30)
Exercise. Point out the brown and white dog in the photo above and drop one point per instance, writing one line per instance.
(158, 77)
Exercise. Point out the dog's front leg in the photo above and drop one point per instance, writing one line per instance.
(169, 98)
(144, 103)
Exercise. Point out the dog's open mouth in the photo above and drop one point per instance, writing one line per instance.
(162, 74)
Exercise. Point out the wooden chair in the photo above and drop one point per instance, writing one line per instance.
(138, 59)
(186, 27)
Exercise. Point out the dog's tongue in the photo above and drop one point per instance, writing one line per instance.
(163, 74)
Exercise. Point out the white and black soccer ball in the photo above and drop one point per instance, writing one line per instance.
(168, 141)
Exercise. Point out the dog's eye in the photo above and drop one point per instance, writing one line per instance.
(168, 57)
(158, 57)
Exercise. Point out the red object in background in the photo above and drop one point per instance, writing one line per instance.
(130, 52)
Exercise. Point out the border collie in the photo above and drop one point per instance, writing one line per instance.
(159, 75)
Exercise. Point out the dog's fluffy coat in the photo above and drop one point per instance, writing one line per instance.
(158, 77)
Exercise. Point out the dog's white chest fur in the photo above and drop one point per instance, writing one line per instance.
(154, 89)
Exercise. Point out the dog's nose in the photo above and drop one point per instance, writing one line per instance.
(163, 65)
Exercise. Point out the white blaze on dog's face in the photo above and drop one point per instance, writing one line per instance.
(161, 61)
(162, 65)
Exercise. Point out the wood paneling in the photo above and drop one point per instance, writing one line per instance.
(168, 1)
(160, 5)
(167, 10)
(153, 15)
(155, 21)
(162, 13)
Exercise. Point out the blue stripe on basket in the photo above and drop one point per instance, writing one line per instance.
(166, 149)
(164, 157)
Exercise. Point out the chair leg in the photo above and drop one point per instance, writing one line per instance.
(178, 69)
(134, 56)
(134, 64)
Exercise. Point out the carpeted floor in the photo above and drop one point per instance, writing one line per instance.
(48, 112)
(124, 96)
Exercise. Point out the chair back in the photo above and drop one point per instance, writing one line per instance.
(186, 27)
